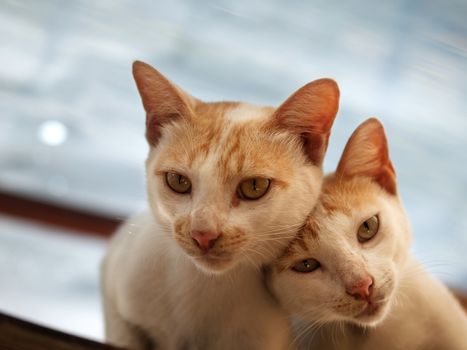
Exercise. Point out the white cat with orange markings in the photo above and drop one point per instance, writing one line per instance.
(229, 184)
(349, 278)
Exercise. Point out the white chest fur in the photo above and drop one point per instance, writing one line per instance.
(150, 284)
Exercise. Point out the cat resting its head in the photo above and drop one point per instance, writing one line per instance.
(345, 263)
(229, 181)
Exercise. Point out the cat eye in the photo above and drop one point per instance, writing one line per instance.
(368, 229)
(253, 188)
(178, 183)
(307, 265)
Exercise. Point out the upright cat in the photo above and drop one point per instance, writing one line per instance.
(229, 184)
(349, 278)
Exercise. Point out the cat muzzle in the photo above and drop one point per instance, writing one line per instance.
(362, 289)
(205, 240)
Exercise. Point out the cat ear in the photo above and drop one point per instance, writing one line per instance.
(162, 100)
(310, 112)
(367, 154)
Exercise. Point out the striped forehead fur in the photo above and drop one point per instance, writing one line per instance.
(246, 143)
(339, 196)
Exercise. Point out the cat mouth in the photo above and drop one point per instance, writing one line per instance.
(213, 262)
(371, 311)
(214, 258)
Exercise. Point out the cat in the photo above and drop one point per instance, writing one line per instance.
(349, 279)
(228, 184)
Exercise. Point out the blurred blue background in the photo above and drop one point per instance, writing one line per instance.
(71, 123)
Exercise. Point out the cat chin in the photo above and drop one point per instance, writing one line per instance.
(213, 265)
(372, 315)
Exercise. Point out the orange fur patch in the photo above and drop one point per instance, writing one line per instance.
(240, 147)
(346, 194)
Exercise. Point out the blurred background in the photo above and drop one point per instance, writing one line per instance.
(72, 125)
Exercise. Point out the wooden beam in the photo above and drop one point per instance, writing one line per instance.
(16, 334)
(57, 215)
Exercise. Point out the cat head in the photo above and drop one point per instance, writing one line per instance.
(345, 263)
(232, 182)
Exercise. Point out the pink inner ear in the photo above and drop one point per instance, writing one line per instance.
(162, 101)
(315, 146)
(310, 112)
(366, 154)
(154, 124)
(385, 175)
(387, 178)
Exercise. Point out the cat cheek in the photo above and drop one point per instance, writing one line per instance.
(182, 225)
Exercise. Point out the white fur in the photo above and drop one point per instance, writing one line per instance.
(424, 316)
(150, 283)
(153, 285)
(245, 112)
(419, 312)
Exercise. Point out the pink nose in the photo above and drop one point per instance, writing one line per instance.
(361, 290)
(204, 240)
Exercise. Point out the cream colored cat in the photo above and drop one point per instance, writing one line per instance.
(229, 184)
(349, 278)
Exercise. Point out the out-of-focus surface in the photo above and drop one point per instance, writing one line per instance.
(71, 126)
(51, 277)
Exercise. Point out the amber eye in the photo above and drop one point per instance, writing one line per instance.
(253, 188)
(307, 265)
(178, 183)
(368, 229)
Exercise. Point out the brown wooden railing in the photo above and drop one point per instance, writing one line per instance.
(17, 334)
(57, 215)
